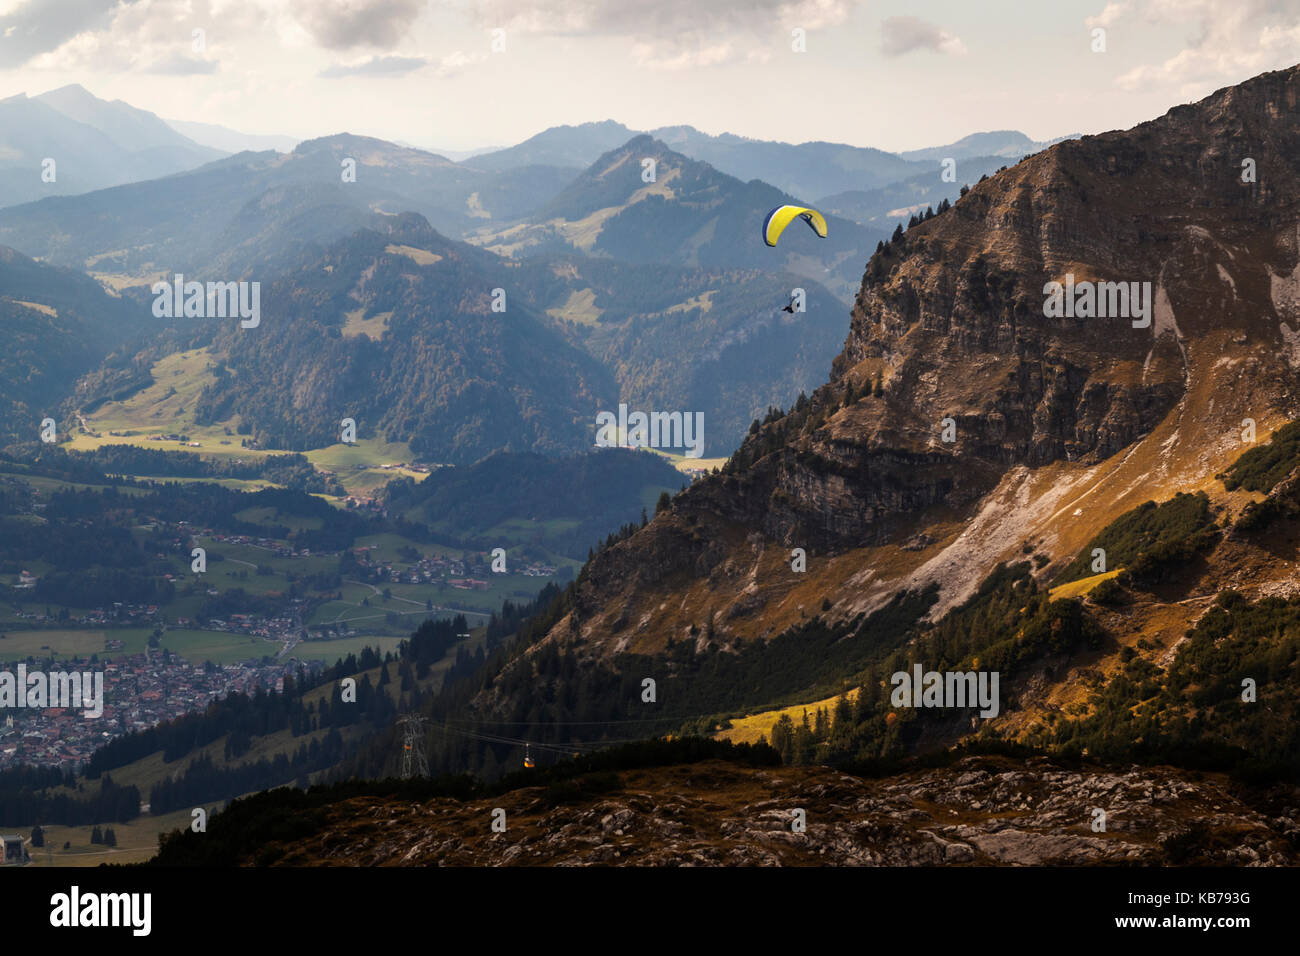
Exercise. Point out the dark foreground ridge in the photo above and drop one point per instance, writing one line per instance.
(700, 802)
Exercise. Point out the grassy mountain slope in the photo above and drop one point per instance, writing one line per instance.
(564, 505)
(443, 373)
(55, 326)
(746, 354)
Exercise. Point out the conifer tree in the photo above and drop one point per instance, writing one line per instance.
(821, 725)
(783, 737)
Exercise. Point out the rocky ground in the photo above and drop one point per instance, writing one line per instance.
(981, 811)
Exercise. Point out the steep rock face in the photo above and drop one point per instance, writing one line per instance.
(951, 320)
(957, 323)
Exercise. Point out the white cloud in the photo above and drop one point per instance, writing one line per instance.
(34, 28)
(151, 36)
(643, 18)
(899, 35)
(1233, 39)
(816, 14)
(397, 66)
(115, 36)
(376, 66)
(1112, 13)
(669, 34)
(454, 63)
(653, 57)
(349, 24)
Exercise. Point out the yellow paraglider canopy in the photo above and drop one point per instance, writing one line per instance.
(782, 216)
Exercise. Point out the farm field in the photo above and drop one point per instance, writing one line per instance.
(72, 642)
(332, 650)
(167, 407)
(137, 841)
(687, 465)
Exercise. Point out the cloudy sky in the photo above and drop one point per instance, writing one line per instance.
(897, 74)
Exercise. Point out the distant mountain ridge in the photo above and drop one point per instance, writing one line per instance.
(806, 170)
(558, 146)
(141, 146)
(617, 241)
(1006, 143)
(94, 144)
(298, 200)
(101, 144)
(265, 215)
(689, 214)
(895, 203)
(230, 140)
(131, 128)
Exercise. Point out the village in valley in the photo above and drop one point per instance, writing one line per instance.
(140, 691)
(261, 608)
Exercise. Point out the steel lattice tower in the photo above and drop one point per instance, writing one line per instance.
(413, 746)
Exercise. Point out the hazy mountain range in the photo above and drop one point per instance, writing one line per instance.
(232, 141)
(690, 214)
(807, 170)
(158, 147)
(599, 262)
(93, 144)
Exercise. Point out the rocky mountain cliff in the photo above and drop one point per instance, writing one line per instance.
(952, 319)
(967, 423)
